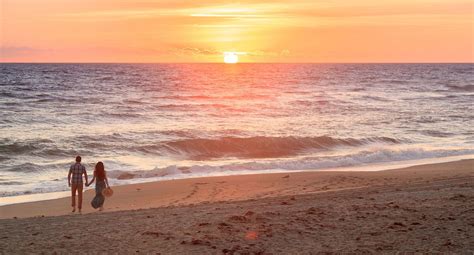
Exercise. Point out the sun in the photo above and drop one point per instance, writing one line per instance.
(231, 57)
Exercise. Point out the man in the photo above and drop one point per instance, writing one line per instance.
(76, 171)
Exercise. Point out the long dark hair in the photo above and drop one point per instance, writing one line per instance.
(100, 170)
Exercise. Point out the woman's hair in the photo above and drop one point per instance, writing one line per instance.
(100, 170)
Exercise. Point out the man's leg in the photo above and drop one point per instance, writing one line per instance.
(73, 197)
(79, 193)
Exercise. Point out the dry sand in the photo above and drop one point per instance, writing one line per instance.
(427, 208)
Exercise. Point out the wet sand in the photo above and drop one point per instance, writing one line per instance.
(426, 208)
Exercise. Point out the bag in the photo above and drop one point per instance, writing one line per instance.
(107, 192)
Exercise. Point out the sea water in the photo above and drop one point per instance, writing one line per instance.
(165, 121)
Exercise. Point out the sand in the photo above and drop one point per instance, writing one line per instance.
(426, 208)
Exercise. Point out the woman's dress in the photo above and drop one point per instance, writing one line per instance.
(99, 199)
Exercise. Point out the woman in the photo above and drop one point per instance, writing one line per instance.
(100, 184)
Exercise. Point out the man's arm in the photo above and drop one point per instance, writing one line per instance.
(69, 178)
(85, 175)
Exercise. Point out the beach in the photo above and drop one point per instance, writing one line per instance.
(237, 127)
(424, 208)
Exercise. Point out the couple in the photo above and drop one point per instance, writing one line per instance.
(75, 182)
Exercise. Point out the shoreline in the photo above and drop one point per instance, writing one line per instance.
(382, 166)
(176, 192)
(420, 209)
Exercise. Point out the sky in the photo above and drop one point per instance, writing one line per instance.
(261, 31)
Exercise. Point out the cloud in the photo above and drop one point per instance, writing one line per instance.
(270, 53)
(217, 14)
(382, 9)
(15, 52)
(194, 51)
(216, 9)
(197, 51)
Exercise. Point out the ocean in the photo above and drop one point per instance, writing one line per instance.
(150, 122)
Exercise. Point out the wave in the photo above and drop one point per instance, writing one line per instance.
(10, 147)
(365, 157)
(121, 115)
(26, 168)
(466, 88)
(436, 133)
(259, 146)
(187, 148)
(11, 183)
(376, 98)
(309, 163)
(6, 94)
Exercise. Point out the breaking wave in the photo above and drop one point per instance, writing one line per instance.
(361, 158)
(192, 148)
(259, 146)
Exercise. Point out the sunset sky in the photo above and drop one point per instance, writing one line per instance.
(266, 31)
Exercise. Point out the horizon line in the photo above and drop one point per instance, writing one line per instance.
(98, 62)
